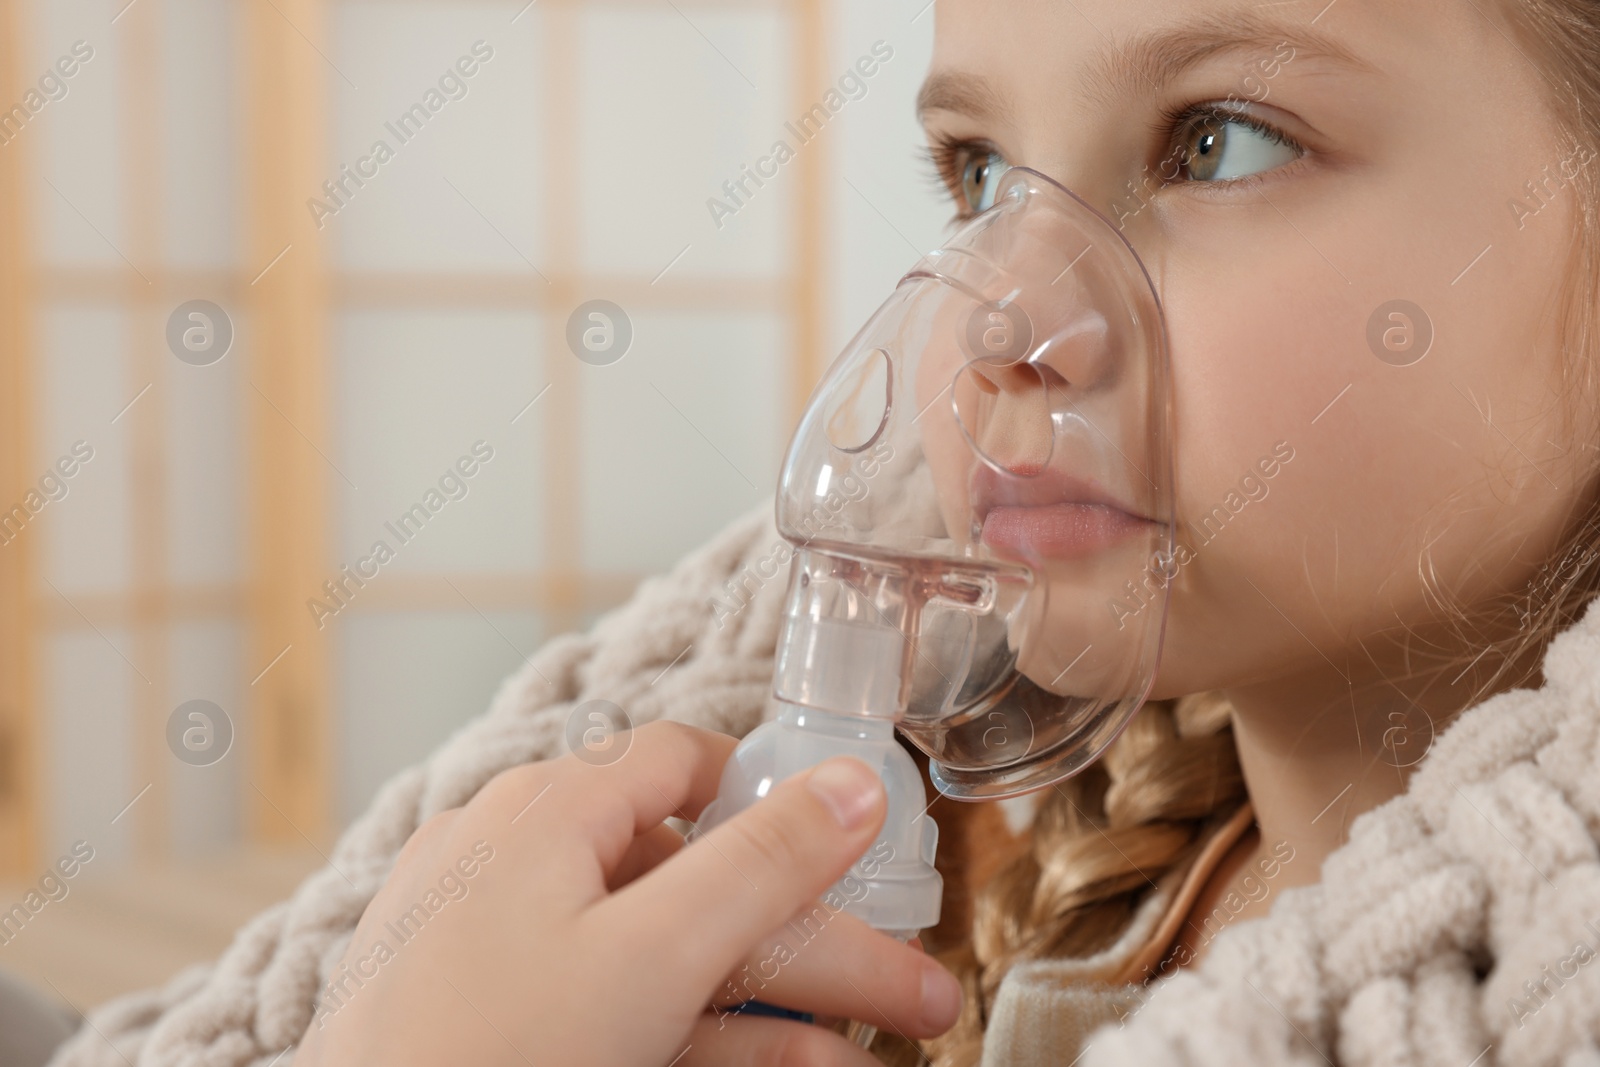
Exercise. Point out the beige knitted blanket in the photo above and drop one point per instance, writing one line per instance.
(1487, 865)
(1458, 927)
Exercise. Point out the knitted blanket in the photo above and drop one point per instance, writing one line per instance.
(695, 644)
(1455, 928)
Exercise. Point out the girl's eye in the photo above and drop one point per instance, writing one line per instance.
(980, 175)
(967, 171)
(1216, 145)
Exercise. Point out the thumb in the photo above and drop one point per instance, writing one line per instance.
(713, 901)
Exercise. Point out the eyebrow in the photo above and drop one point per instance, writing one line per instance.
(1149, 62)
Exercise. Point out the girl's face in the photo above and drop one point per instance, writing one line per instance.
(1358, 217)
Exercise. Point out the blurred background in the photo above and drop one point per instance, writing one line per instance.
(284, 279)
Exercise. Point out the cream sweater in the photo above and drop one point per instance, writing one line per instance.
(1458, 927)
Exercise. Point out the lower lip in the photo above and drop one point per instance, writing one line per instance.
(1059, 531)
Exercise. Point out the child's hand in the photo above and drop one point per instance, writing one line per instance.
(556, 920)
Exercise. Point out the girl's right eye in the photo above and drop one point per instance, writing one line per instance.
(980, 175)
(969, 171)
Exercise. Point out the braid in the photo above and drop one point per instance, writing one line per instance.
(1098, 843)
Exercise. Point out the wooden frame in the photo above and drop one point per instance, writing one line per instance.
(807, 308)
(19, 706)
(289, 789)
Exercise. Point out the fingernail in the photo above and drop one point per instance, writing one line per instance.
(848, 787)
(941, 999)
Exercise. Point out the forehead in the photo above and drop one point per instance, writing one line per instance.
(992, 54)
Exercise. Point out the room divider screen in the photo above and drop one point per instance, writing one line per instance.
(285, 281)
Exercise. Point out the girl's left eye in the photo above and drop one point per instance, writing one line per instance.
(1212, 144)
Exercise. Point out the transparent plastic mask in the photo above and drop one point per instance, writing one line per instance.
(981, 495)
(980, 498)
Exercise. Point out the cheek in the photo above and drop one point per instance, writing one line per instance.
(1255, 358)
(1456, 457)
(1269, 359)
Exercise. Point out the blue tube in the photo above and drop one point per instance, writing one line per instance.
(756, 1007)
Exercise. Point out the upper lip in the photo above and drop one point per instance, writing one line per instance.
(1032, 487)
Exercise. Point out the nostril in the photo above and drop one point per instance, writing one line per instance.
(1004, 413)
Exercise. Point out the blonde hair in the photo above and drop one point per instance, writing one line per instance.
(1101, 840)
(1098, 842)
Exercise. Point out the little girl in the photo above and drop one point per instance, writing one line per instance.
(1339, 832)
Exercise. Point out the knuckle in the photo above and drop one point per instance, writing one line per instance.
(424, 835)
(510, 790)
(682, 744)
(670, 733)
(662, 728)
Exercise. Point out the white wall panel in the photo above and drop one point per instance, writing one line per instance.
(79, 139)
(201, 123)
(207, 463)
(84, 382)
(407, 681)
(665, 117)
(206, 663)
(888, 208)
(681, 435)
(465, 191)
(415, 391)
(88, 702)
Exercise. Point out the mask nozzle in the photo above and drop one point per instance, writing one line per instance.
(839, 688)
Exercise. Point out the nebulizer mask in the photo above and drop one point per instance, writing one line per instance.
(980, 501)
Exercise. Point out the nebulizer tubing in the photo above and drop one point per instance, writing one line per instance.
(979, 496)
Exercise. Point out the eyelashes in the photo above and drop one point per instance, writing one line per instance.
(944, 158)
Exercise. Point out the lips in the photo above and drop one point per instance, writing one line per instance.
(1050, 513)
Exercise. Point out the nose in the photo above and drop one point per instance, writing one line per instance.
(1044, 350)
(1060, 298)
(1039, 284)
(1048, 321)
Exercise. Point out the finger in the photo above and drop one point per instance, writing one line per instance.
(832, 963)
(669, 768)
(647, 850)
(728, 1040)
(722, 894)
